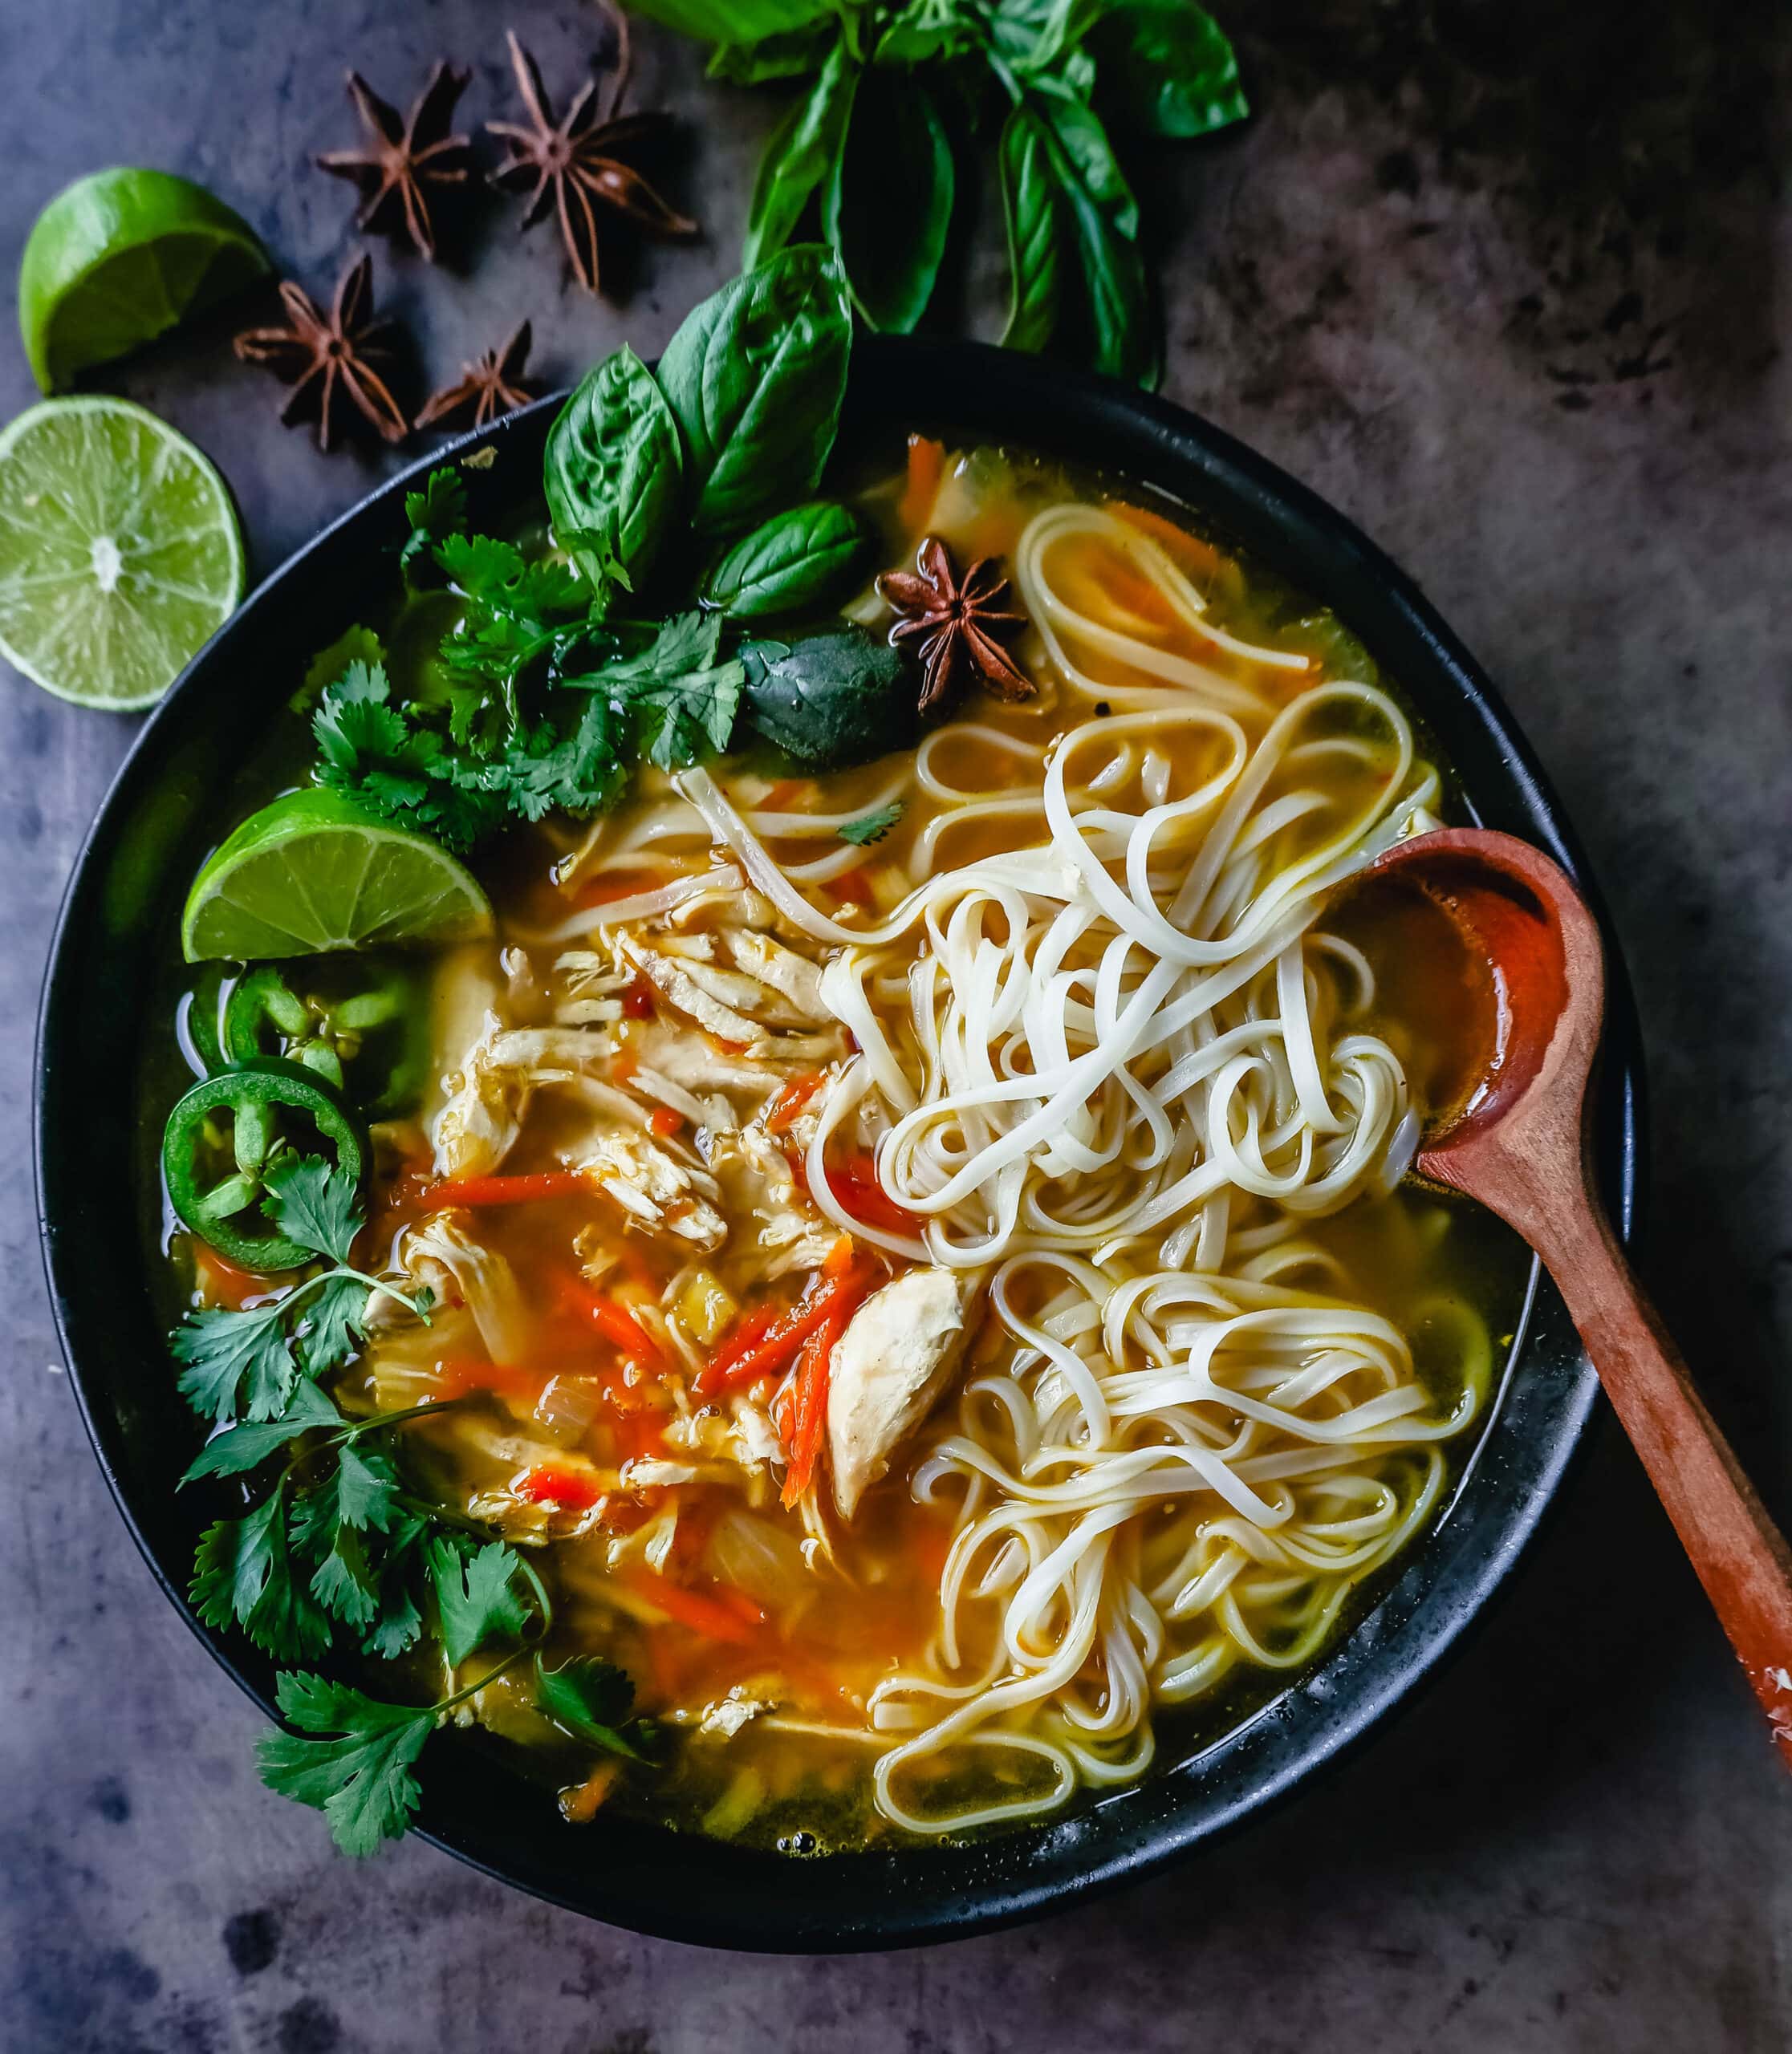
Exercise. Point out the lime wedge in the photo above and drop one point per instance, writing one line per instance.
(119, 554)
(121, 256)
(314, 872)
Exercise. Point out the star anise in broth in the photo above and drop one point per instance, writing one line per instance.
(493, 385)
(402, 157)
(955, 626)
(578, 164)
(327, 360)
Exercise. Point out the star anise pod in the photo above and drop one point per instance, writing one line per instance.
(494, 385)
(323, 360)
(402, 157)
(580, 161)
(957, 625)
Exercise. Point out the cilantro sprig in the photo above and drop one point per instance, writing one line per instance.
(336, 1552)
(251, 1360)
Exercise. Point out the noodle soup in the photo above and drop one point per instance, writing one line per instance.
(913, 1256)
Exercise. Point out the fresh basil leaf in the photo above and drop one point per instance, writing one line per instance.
(611, 473)
(1098, 206)
(897, 143)
(1167, 68)
(927, 30)
(755, 376)
(799, 160)
(1083, 141)
(830, 699)
(1030, 204)
(1033, 37)
(773, 57)
(734, 21)
(797, 559)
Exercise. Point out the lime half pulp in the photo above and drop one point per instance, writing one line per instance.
(314, 872)
(118, 258)
(120, 553)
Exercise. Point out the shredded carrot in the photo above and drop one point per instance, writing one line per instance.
(854, 888)
(614, 1321)
(856, 1190)
(750, 1615)
(618, 884)
(791, 1100)
(746, 1332)
(220, 1281)
(509, 1191)
(638, 1001)
(1187, 552)
(840, 1257)
(779, 1342)
(457, 1375)
(927, 464)
(809, 1411)
(579, 1802)
(665, 1121)
(693, 1609)
(570, 1490)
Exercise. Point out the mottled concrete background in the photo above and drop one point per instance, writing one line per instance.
(1507, 279)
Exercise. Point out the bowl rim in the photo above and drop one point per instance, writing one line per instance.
(1272, 514)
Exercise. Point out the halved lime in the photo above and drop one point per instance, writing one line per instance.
(314, 871)
(119, 554)
(119, 256)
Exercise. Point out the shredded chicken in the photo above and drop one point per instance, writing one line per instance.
(893, 1361)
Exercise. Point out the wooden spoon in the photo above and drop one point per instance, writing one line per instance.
(1520, 1144)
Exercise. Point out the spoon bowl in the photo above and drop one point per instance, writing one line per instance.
(1518, 1143)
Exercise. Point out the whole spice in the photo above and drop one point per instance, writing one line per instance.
(579, 162)
(324, 359)
(402, 157)
(957, 626)
(493, 385)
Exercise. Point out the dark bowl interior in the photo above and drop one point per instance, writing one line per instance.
(156, 824)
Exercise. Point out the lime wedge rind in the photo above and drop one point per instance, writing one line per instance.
(120, 257)
(313, 873)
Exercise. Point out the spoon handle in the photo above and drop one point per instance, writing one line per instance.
(1741, 1557)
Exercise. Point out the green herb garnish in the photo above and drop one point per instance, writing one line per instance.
(870, 148)
(874, 827)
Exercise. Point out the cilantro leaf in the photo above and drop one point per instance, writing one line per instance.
(345, 1582)
(361, 1779)
(235, 1362)
(592, 1699)
(334, 1317)
(354, 645)
(517, 608)
(246, 1447)
(399, 1622)
(476, 1598)
(315, 1202)
(685, 718)
(873, 826)
(437, 512)
(243, 1572)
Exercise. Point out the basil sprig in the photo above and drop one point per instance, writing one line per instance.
(874, 144)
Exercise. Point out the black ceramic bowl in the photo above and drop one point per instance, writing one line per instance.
(157, 822)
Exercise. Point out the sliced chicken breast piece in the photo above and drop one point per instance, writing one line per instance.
(893, 1361)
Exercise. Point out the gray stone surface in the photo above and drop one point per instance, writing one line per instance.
(1509, 284)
